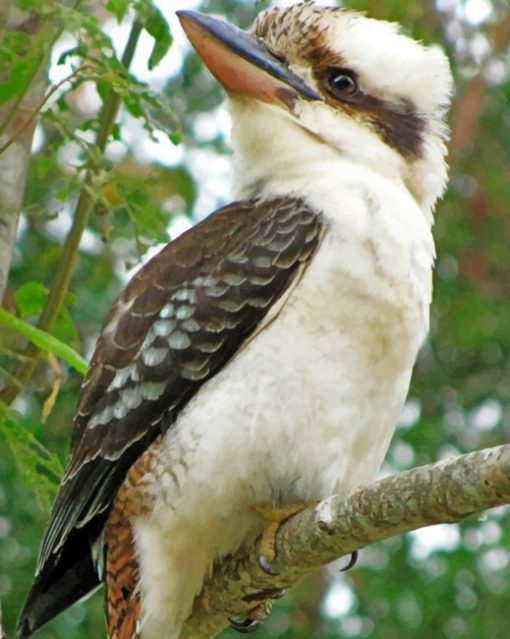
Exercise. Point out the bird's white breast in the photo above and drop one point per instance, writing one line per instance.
(306, 408)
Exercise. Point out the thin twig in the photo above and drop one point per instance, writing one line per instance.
(38, 109)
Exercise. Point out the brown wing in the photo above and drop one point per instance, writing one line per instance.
(179, 320)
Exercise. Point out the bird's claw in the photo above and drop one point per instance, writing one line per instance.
(257, 614)
(352, 561)
(266, 566)
(246, 626)
(273, 516)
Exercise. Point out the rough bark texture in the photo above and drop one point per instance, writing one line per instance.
(14, 160)
(445, 492)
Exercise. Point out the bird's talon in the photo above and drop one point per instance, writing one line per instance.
(266, 566)
(246, 626)
(352, 561)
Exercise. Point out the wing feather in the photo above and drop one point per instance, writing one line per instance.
(177, 322)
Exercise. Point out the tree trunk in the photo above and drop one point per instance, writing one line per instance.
(17, 123)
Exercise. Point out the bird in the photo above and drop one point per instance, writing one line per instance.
(259, 362)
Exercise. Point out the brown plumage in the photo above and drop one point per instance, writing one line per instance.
(122, 588)
(123, 603)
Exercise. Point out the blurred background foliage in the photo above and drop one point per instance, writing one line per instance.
(167, 165)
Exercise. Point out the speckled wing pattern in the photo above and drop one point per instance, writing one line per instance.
(178, 321)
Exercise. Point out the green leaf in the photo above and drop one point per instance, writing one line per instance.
(44, 341)
(175, 138)
(43, 166)
(133, 104)
(64, 327)
(117, 132)
(156, 26)
(118, 8)
(41, 469)
(62, 104)
(20, 57)
(30, 298)
(20, 75)
(62, 194)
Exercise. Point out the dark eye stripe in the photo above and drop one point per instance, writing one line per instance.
(396, 122)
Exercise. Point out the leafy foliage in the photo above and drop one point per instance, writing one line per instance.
(40, 469)
(45, 341)
(442, 584)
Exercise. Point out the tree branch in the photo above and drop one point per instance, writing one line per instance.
(445, 492)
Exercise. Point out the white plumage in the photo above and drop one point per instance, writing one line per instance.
(307, 407)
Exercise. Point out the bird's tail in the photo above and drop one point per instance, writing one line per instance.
(64, 579)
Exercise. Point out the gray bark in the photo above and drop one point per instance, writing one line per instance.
(445, 492)
(14, 160)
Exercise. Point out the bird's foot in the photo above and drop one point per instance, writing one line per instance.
(273, 517)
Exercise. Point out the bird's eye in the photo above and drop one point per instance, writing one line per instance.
(342, 83)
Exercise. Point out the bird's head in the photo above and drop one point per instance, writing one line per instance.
(316, 81)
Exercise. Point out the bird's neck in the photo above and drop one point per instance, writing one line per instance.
(274, 156)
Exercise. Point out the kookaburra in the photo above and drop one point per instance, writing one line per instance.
(261, 359)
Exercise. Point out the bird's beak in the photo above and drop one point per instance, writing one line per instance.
(242, 63)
